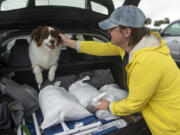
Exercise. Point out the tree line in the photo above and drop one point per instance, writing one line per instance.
(157, 23)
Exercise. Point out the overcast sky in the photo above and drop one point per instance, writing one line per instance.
(159, 9)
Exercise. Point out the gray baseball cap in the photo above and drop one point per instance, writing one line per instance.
(129, 16)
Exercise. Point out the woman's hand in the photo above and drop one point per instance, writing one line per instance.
(104, 105)
(65, 41)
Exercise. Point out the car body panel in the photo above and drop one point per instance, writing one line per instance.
(174, 45)
(171, 34)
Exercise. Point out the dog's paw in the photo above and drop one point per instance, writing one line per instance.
(51, 75)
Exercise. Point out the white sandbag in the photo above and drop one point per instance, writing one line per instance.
(84, 92)
(103, 114)
(113, 89)
(58, 105)
(110, 92)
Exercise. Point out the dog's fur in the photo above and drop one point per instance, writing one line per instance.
(44, 51)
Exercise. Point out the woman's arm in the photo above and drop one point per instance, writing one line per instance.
(93, 47)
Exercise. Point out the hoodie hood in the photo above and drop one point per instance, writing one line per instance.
(148, 43)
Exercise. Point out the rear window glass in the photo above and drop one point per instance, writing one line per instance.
(6, 5)
(13, 4)
(99, 8)
(74, 3)
(70, 3)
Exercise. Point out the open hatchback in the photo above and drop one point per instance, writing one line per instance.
(78, 19)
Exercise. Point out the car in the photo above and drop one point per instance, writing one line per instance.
(171, 34)
(77, 19)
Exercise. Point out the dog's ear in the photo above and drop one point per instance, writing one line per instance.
(36, 34)
(58, 31)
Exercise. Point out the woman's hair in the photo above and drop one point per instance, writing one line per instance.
(137, 34)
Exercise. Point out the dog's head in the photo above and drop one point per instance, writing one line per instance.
(46, 35)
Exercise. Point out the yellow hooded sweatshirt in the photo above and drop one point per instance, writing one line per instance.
(153, 80)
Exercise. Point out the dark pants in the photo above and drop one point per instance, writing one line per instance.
(139, 128)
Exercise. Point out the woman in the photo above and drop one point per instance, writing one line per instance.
(153, 77)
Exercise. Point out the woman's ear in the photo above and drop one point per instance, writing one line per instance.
(127, 32)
